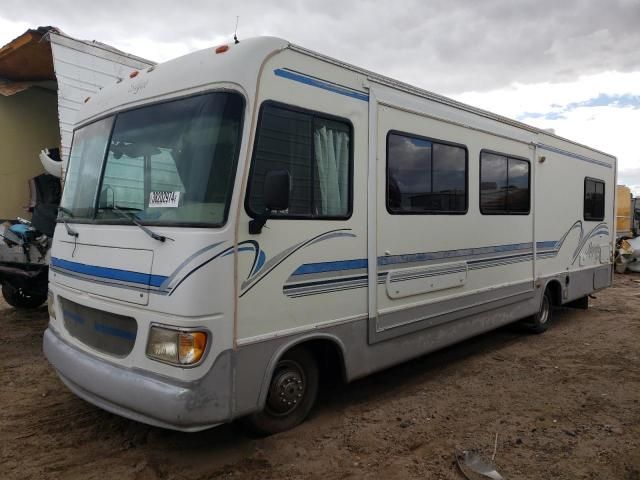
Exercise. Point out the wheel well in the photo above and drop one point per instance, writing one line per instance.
(555, 289)
(329, 356)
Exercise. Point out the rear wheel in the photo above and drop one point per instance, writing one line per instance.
(540, 321)
(292, 393)
(21, 298)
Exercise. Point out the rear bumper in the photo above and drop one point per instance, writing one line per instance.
(142, 396)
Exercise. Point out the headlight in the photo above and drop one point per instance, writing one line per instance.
(51, 305)
(176, 346)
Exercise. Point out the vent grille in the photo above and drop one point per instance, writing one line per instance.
(107, 332)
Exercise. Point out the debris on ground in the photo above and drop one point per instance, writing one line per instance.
(474, 467)
(627, 255)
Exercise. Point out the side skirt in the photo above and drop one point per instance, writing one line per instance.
(409, 320)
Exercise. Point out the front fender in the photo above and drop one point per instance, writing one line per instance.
(284, 348)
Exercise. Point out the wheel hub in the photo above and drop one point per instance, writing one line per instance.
(544, 311)
(287, 388)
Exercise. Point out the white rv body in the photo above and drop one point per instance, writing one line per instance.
(373, 287)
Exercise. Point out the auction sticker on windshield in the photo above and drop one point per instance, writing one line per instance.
(164, 199)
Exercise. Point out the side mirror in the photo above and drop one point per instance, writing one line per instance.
(276, 197)
(276, 190)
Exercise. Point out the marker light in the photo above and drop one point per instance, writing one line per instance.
(134, 74)
(222, 48)
(175, 346)
(191, 346)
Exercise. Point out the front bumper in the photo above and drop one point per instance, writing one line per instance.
(141, 396)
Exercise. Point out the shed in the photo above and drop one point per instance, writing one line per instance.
(45, 76)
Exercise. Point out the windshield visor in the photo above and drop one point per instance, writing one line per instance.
(172, 163)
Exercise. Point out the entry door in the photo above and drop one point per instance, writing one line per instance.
(422, 221)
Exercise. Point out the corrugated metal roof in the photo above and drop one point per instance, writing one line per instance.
(83, 68)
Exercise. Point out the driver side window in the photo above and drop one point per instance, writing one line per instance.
(316, 152)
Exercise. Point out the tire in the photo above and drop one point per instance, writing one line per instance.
(292, 393)
(23, 299)
(540, 322)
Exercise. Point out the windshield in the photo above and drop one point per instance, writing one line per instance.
(169, 163)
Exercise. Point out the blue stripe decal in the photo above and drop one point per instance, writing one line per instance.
(101, 327)
(113, 331)
(314, 82)
(73, 316)
(324, 282)
(420, 257)
(109, 273)
(342, 265)
(551, 244)
(260, 261)
(498, 259)
(574, 155)
(336, 266)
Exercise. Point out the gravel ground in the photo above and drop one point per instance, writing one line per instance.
(564, 405)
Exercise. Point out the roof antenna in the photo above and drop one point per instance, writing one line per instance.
(235, 33)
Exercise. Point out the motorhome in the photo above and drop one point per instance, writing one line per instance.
(239, 219)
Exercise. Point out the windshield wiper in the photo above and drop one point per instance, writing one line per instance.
(65, 210)
(70, 231)
(134, 219)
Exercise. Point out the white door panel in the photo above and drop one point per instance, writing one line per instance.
(427, 258)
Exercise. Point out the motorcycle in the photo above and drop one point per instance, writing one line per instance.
(25, 245)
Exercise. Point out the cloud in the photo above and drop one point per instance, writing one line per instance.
(573, 66)
(631, 178)
(535, 115)
(602, 100)
(440, 45)
(579, 111)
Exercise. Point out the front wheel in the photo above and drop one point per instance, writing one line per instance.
(541, 320)
(292, 393)
(20, 298)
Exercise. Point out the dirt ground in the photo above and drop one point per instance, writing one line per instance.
(564, 405)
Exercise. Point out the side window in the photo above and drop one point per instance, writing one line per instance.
(316, 151)
(425, 176)
(504, 185)
(593, 199)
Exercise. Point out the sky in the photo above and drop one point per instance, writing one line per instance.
(571, 65)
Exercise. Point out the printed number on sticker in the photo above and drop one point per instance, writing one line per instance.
(164, 199)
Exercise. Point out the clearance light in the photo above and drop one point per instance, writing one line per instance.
(175, 346)
(134, 74)
(222, 48)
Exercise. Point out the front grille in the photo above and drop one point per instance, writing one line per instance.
(104, 331)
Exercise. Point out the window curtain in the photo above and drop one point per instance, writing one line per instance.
(332, 158)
